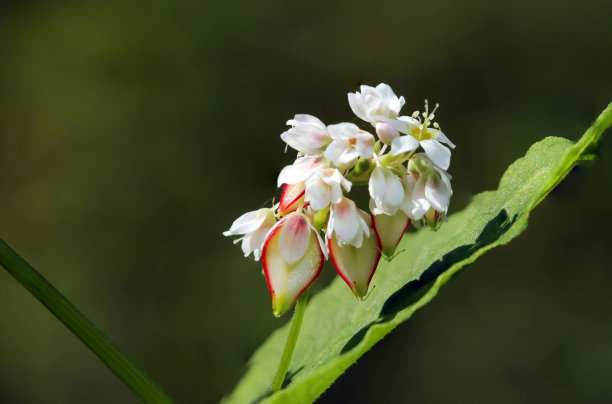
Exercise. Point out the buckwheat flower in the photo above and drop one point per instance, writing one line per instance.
(292, 259)
(375, 104)
(432, 188)
(349, 143)
(325, 187)
(254, 226)
(301, 169)
(308, 135)
(346, 225)
(420, 133)
(386, 191)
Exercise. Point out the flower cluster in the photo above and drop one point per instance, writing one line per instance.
(405, 171)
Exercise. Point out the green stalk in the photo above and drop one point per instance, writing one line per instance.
(294, 332)
(81, 326)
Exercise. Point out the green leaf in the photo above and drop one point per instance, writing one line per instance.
(338, 329)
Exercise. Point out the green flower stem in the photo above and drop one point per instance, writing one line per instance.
(294, 332)
(80, 325)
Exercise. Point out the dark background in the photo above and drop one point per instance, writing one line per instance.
(133, 133)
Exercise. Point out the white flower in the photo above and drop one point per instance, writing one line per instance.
(308, 135)
(375, 104)
(325, 187)
(386, 191)
(300, 170)
(255, 226)
(420, 133)
(432, 188)
(346, 224)
(349, 143)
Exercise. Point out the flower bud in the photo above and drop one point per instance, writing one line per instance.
(292, 258)
(356, 266)
(390, 230)
(386, 133)
(291, 198)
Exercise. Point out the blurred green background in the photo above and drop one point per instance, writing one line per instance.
(133, 133)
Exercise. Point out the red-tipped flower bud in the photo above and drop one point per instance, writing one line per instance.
(291, 198)
(356, 265)
(390, 230)
(292, 258)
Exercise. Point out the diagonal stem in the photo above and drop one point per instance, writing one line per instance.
(80, 326)
(294, 332)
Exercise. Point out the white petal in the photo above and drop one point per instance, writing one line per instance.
(336, 195)
(300, 170)
(386, 190)
(294, 238)
(365, 144)
(420, 205)
(346, 224)
(438, 154)
(246, 223)
(402, 101)
(346, 184)
(306, 119)
(403, 144)
(441, 137)
(385, 91)
(404, 124)
(253, 242)
(377, 184)
(407, 205)
(392, 103)
(357, 105)
(394, 193)
(335, 150)
(318, 194)
(306, 139)
(437, 194)
(446, 177)
(344, 130)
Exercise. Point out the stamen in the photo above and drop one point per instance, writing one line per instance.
(426, 112)
(431, 116)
